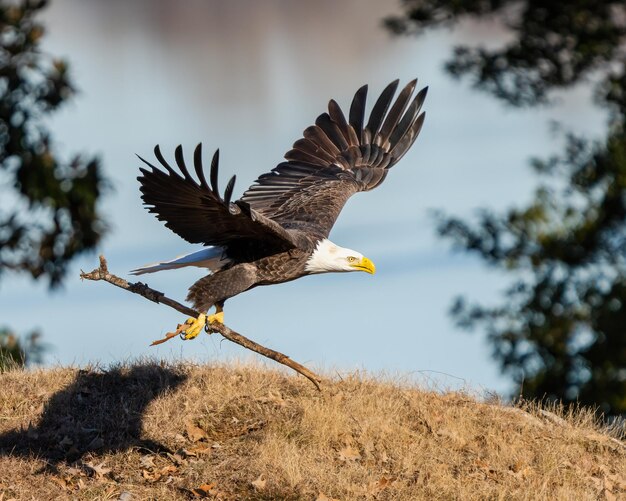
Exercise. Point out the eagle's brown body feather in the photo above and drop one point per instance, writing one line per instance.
(218, 287)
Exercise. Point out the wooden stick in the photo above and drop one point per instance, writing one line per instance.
(102, 273)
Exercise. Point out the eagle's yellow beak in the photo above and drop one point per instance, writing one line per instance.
(365, 265)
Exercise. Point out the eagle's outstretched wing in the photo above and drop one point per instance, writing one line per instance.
(195, 211)
(337, 158)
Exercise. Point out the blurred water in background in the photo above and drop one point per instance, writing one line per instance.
(248, 77)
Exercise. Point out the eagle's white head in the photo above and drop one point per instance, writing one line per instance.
(329, 257)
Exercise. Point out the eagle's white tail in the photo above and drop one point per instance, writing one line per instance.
(212, 258)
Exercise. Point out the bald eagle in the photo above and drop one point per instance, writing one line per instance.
(278, 230)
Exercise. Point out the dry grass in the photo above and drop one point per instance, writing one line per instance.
(163, 432)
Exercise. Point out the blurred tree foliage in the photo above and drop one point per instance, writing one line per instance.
(561, 328)
(48, 206)
(17, 353)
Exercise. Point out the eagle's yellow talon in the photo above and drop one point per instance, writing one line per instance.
(216, 318)
(195, 326)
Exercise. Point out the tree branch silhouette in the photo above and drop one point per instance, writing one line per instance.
(102, 273)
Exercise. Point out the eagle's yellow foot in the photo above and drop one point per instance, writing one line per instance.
(192, 327)
(217, 317)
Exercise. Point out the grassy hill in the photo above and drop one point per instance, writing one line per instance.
(155, 431)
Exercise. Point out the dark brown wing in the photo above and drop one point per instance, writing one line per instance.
(195, 211)
(338, 157)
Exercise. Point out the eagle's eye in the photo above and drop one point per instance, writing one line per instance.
(351, 259)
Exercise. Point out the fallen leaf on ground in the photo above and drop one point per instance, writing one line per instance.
(99, 470)
(147, 461)
(125, 496)
(72, 470)
(197, 450)
(61, 482)
(204, 491)
(517, 466)
(260, 482)
(520, 470)
(194, 432)
(177, 459)
(66, 442)
(379, 485)
(255, 426)
(349, 454)
(156, 475)
(272, 398)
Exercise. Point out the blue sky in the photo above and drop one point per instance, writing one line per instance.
(248, 77)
